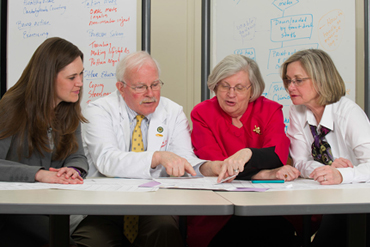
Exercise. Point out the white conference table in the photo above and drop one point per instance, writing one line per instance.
(353, 201)
(62, 203)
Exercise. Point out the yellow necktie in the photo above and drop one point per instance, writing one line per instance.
(131, 222)
(137, 139)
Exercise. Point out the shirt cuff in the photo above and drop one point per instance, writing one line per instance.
(197, 169)
(347, 174)
(80, 172)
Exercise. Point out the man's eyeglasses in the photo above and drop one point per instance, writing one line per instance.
(142, 88)
(238, 88)
(297, 82)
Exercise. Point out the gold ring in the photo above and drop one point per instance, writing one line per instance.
(286, 176)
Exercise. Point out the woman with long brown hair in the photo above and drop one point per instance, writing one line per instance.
(40, 131)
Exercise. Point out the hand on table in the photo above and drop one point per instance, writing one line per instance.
(327, 175)
(287, 173)
(68, 172)
(174, 164)
(342, 163)
(53, 177)
(234, 164)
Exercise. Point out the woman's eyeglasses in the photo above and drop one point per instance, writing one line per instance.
(297, 82)
(238, 88)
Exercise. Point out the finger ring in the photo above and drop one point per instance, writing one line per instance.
(236, 170)
(286, 176)
(324, 178)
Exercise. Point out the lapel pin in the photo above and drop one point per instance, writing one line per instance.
(160, 129)
(257, 130)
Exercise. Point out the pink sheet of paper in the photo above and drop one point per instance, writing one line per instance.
(150, 184)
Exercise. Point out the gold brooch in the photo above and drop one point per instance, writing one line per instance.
(257, 130)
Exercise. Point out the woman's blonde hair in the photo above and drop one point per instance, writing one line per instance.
(323, 73)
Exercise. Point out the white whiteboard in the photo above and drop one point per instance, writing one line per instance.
(104, 30)
(269, 31)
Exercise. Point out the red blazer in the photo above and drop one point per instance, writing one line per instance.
(215, 138)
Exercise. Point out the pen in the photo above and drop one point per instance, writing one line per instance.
(268, 181)
(225, 179)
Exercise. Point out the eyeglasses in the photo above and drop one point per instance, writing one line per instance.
(238, 88)
(142, 88)
(297, 82)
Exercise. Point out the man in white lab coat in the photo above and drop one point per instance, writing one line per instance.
(108, 146)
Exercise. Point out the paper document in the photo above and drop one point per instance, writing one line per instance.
(207, 183)
(91, 184)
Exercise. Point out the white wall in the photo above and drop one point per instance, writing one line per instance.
(176, 44)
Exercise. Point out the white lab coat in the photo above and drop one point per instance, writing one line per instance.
(107, 138)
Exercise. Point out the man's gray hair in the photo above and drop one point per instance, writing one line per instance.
(132, 61)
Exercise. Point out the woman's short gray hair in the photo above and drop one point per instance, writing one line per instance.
(233, 64)
(134, 60)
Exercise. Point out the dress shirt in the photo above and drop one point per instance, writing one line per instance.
(349, 138)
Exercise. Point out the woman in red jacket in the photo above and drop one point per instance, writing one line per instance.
(246, 131)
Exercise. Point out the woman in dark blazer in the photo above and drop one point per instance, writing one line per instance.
(40, 132)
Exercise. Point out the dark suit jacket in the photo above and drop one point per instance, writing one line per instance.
(24, 169)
